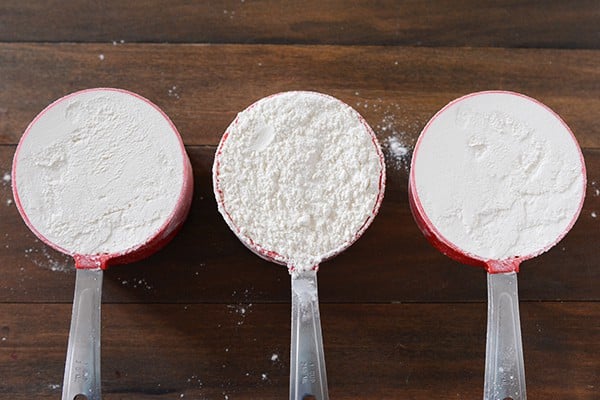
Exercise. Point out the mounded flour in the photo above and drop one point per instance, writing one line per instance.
(298, 176)
(98, 172)
(499, 175)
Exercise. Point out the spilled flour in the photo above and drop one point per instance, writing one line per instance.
(397, 153)
(5, 188)
(46, 258)
(396, 133)
(499, 175)
(297, 176)
(99, 172)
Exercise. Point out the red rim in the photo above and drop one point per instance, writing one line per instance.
(273, 256)
(450, 249)
(160, 238)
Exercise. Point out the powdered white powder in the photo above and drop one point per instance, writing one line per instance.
(297, 176)
(499, 175)
(99, 172)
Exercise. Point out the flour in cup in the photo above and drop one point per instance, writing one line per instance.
(99, 172)
(298, 176)
(499, 175)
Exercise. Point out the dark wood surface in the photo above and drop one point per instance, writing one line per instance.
(204, 317)
(392, 87)
(374, 351)
(553, 24)
(392, 262)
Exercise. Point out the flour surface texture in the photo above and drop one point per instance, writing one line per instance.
(499, 175)
(298, 176)
(99, 172)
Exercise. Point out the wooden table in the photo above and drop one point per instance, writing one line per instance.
(206, 319)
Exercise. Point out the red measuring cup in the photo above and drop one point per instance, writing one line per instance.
(308, 378)
(504, 370)
(82, 369)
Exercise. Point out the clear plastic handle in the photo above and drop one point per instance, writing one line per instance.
(504, 368)
(82, 369)
(308, 379)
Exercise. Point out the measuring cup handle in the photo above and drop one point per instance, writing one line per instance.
(82, 368)
(308, 379)
(504, 368)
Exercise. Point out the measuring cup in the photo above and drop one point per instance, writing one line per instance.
(82, 369)
(469, 120)
(308, 378)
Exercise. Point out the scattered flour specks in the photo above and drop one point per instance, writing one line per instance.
(173, 92)
(54, 386)
(396, 152)
(43, 257)
(242, 310)
(101, 57)
(397, 135)
(195, 379)
(397, 139)
(6, 185)
(274, 357)
(137, 283)
(397, 148)
(594, 215)
(595, 188)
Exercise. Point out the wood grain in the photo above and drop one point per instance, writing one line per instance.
(400, 351)
(392, 262)
(203, 87)
(572, 24)
(203, 318)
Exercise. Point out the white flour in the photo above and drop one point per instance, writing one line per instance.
(298, 176)
(397, 153)
(99, 172)
(499, 176)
